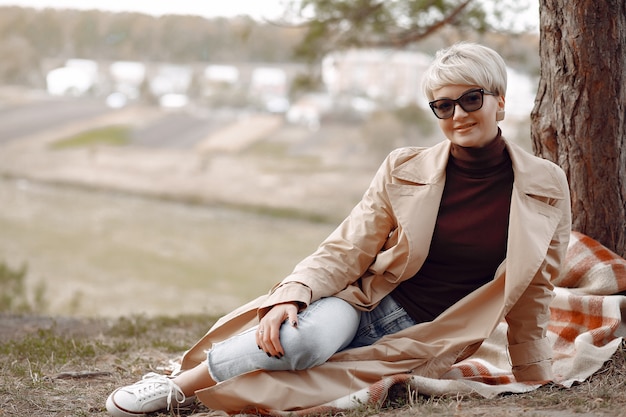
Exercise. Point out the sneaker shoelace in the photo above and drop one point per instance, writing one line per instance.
(150, 384)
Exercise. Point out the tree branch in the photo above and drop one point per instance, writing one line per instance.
(416, 34)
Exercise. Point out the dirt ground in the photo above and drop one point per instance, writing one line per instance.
(104, 354)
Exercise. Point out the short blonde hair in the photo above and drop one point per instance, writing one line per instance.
(466, 64)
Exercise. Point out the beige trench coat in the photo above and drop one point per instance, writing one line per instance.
(384, 241)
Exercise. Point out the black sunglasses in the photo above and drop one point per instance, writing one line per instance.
(469, 102)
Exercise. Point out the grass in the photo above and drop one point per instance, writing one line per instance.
(109, 135)
(119, 254)
(67, 367)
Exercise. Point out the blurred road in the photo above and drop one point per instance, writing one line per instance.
(26, 119)
(164, 129)
(180, 129)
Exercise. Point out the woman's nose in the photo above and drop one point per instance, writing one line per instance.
(458, 111)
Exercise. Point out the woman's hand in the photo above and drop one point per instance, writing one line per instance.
(268, 332)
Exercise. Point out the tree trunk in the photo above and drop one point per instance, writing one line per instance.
(579, 118)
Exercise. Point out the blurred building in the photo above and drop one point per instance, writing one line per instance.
(75, 78)
(127, 77)
(382, 75)
(269, 85)
(219, 75)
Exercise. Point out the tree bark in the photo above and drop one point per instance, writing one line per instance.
(579, 118)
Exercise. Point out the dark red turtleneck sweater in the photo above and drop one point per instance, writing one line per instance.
(469, 241)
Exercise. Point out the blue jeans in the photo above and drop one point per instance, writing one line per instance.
(324, 328)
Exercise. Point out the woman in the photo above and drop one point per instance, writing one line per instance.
(446, 242)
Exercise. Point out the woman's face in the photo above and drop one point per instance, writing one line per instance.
(475, 129)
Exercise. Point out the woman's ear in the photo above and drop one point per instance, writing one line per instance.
(500, 112)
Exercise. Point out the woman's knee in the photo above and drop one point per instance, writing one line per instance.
(329, 326)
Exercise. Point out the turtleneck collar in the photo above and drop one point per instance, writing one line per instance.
(486, 157)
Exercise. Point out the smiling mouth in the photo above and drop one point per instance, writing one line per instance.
(465, 126)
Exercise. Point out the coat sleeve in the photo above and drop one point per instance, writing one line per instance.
(344, 256)
(529, 347)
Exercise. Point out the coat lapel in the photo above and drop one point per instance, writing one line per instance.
(532, 223)
(415, 195)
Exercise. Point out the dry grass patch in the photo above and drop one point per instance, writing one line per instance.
(53, 367)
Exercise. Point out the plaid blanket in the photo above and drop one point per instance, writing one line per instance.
(585, 330)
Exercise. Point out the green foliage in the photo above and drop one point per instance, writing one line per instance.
(13, 292)
(340, 24)
(303, 83)
(110, 135)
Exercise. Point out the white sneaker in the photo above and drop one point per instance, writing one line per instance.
(153, 393)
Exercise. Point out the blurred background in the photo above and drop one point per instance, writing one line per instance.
(180, 157)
